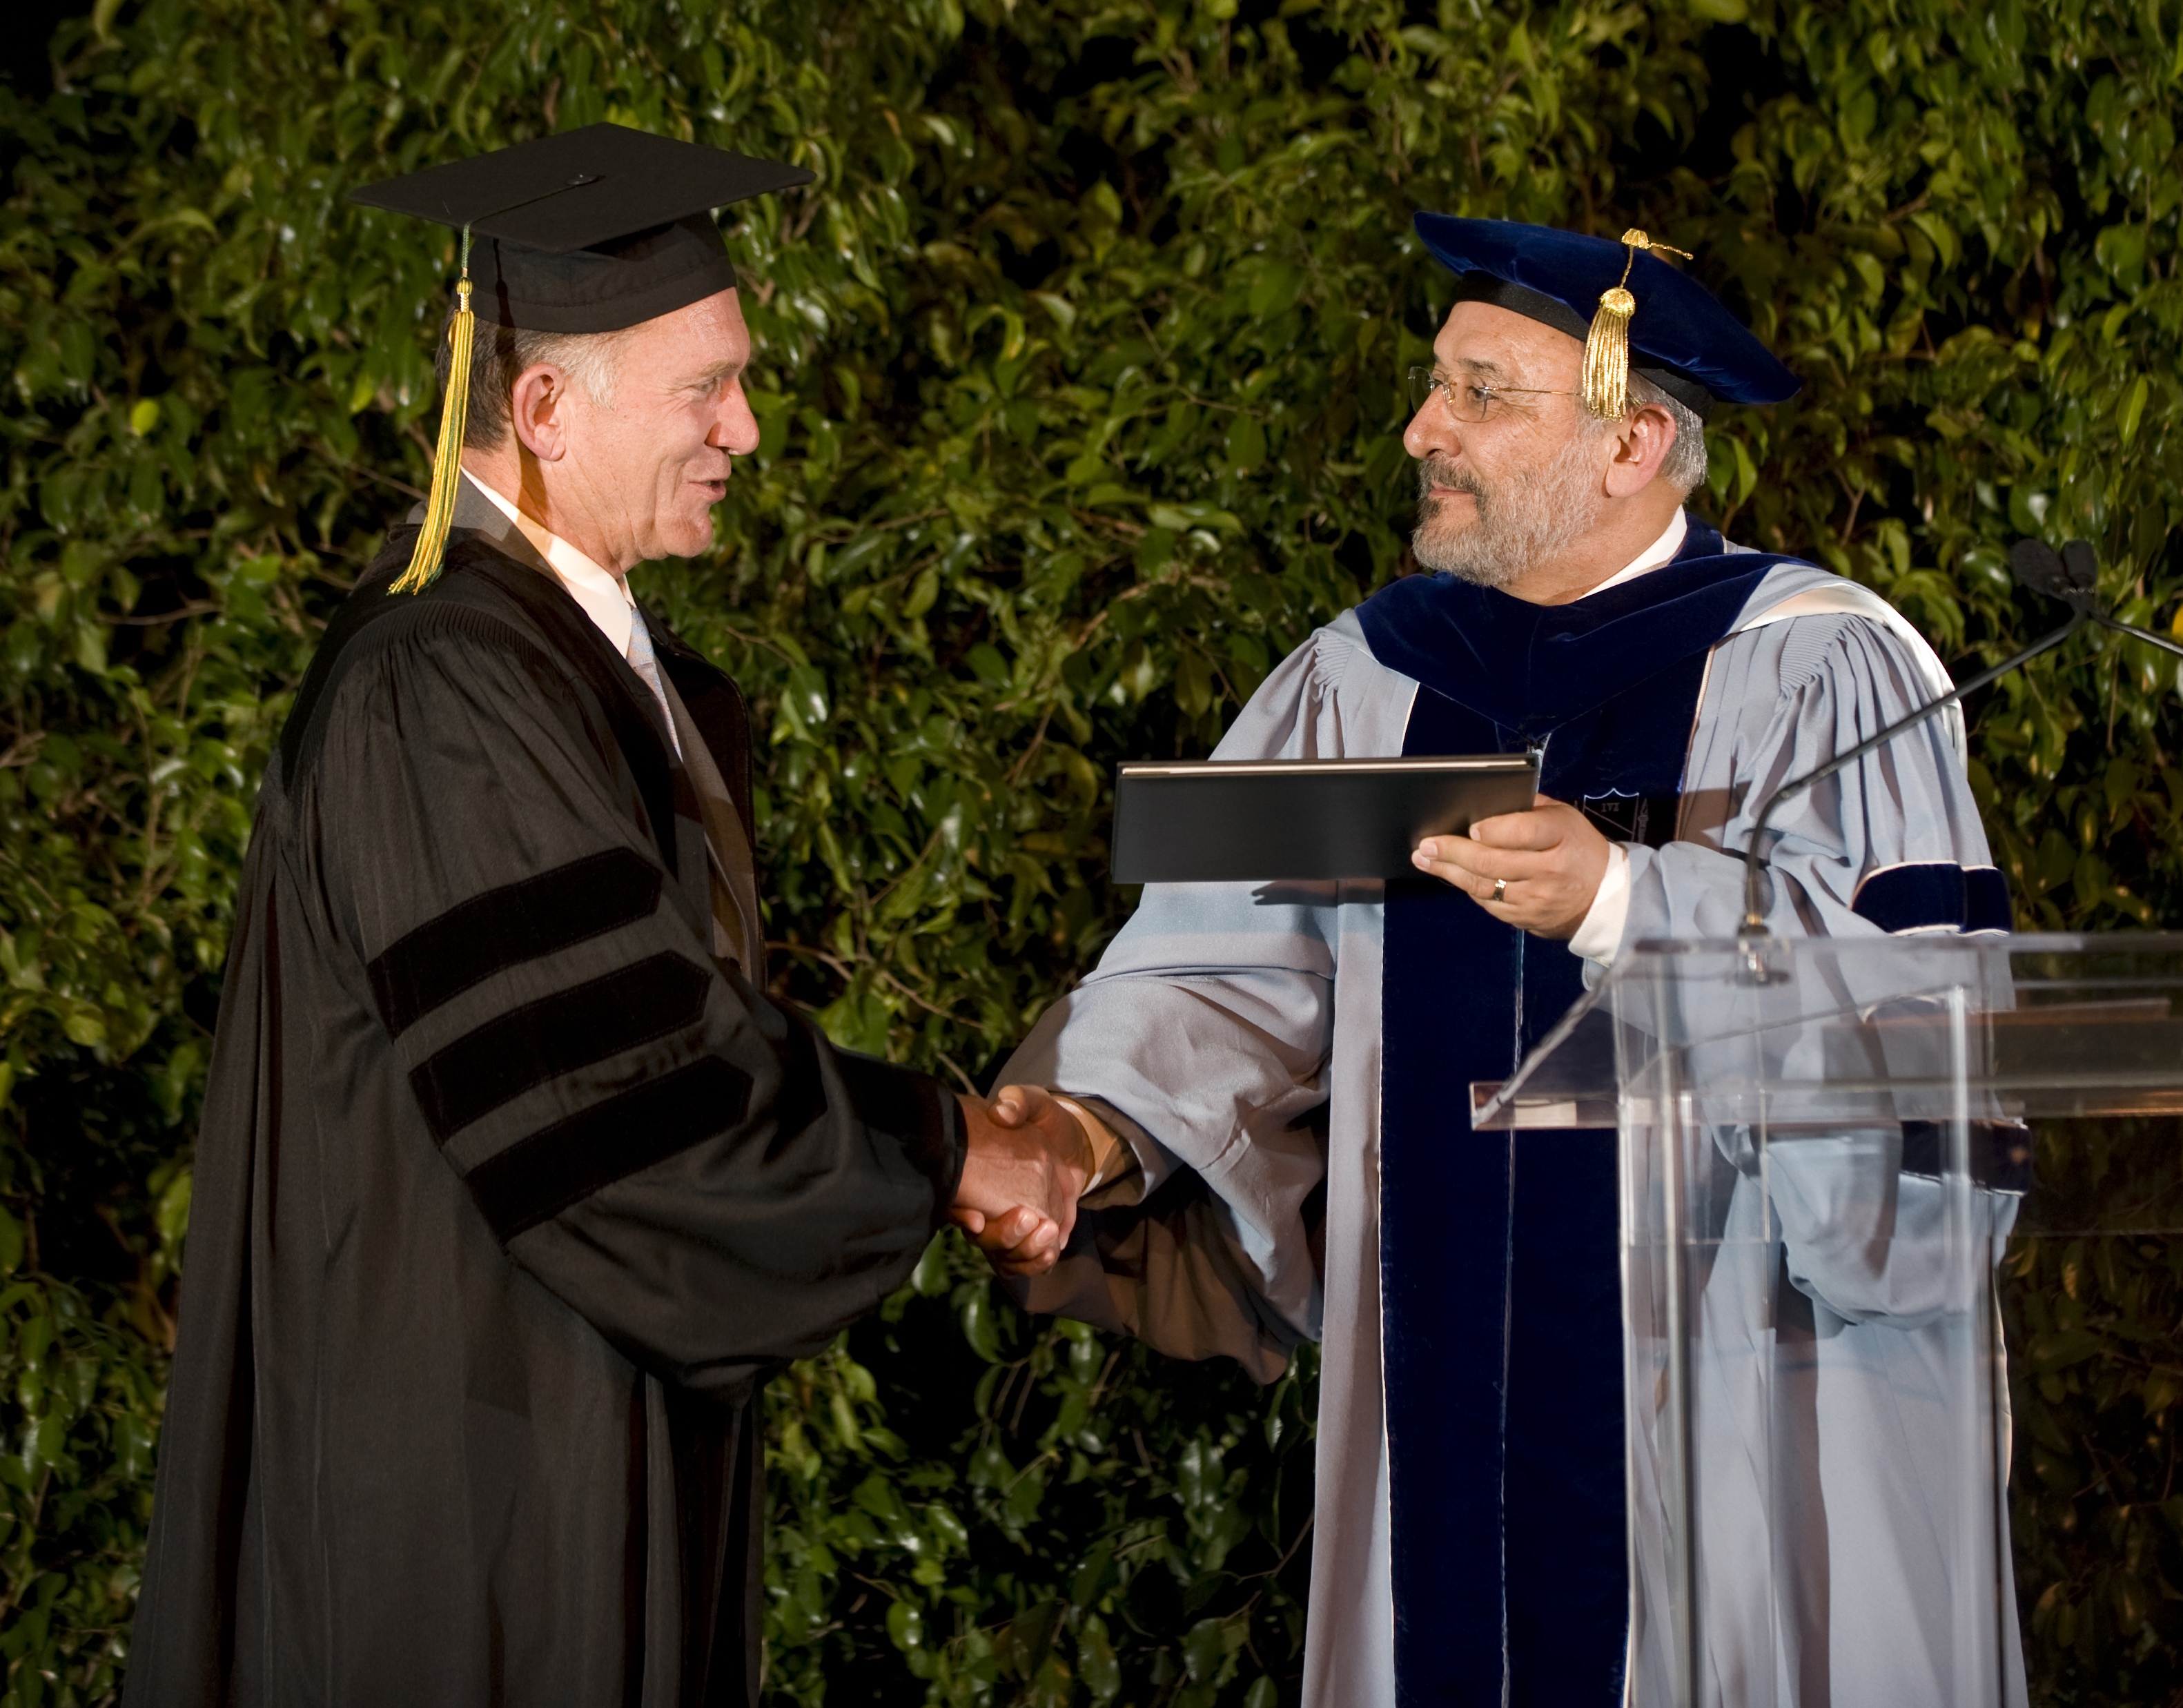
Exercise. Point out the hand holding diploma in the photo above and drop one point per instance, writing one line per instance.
(1537, 870)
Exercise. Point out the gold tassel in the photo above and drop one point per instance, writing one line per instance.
(1607, 344)
(447, 455)
(1607, 355)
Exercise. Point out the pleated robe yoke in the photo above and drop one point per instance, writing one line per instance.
(712, 729)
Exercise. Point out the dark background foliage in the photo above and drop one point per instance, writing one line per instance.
(1079, 372)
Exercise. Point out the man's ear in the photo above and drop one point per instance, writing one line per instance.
(1641, 450)
(535, 411)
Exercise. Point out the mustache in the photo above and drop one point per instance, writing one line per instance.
(1436, 474)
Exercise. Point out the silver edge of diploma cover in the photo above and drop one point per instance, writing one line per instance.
(1302, 820)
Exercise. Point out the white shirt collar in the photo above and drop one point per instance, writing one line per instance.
(604, 595)
(1661, 551)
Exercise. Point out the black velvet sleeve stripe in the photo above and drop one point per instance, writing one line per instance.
(1934, 895)
(557, 1034)
(505, 927)
(537, 1178)
(2000, 1152)
(1986, 898)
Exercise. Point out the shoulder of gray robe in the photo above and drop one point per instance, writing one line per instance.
(1202, 1039)
(1779, 698)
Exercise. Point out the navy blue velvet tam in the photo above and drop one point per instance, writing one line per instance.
(1680, 337)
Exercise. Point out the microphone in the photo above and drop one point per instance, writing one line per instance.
(2071, 576)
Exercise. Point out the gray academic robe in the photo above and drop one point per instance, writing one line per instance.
(1227, 1029)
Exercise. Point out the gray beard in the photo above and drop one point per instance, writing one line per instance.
(1518, 527)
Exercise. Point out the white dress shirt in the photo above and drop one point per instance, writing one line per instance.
(604, 595)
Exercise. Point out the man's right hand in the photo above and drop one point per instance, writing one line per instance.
(1023, 1173)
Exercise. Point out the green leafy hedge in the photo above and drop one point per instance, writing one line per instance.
(1078, 376)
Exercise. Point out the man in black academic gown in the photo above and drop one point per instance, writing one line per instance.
(512, 1184)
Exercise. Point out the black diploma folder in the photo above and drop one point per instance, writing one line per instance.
(1266, 820)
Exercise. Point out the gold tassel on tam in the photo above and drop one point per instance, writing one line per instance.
(447, 455)
(1607, 345)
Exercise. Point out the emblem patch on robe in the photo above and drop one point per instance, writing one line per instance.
(1648, 820)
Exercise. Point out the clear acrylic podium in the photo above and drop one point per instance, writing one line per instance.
(1869, 1185)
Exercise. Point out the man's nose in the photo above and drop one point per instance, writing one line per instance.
(1432, 429)
(735, 427)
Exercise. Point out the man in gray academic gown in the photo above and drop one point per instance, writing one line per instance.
(1274, 1077)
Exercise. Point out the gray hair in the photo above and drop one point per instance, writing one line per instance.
(502, 354)
(1685, 468)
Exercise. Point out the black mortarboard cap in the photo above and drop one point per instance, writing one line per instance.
(591, 231)
(1680, 336)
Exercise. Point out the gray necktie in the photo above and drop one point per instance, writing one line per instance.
(646, 663)
(736, 930)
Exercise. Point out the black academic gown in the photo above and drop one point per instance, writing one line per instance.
(510, 1192)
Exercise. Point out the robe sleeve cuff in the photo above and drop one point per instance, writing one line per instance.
(1600, 936)
(1110, 1157)
(918, 1113)
(1129, 1173)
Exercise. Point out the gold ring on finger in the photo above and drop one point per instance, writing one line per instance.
(1500, 888)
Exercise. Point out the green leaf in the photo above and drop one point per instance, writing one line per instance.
(978, 1329)
(172, 1216)
(1204, 1651)
(1246, 445)
(806, 697)
(1275, 289)
(2121, 250)
(1096, 1661)
(2133, 408)
(2057, 1351)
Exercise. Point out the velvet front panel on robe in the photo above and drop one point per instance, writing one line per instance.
(1499, 1253)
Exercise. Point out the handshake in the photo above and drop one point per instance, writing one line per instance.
(1027, 1161)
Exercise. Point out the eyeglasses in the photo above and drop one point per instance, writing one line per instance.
(1470, 401)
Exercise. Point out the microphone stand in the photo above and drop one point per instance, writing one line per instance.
(2151, 637)
(2069, 577)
